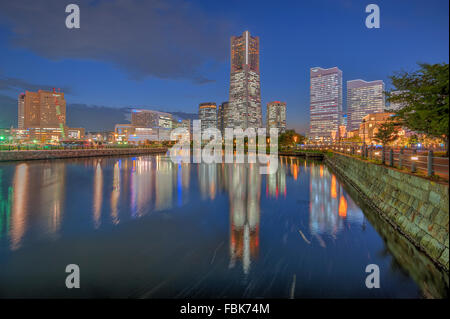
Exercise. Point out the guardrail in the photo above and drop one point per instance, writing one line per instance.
(415, 160)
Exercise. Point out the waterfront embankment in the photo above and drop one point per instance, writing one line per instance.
(417, 207)
(28, 155)
(306, 154)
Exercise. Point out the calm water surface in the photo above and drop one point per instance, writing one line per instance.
(148, 228)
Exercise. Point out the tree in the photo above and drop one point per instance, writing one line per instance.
(290, 138)
(424, 96)
(387, 132)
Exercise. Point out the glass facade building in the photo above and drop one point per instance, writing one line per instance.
(363, 98)
(325, 103)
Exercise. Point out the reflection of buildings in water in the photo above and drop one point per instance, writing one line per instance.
(183, 174)
(244, 195)
(141, 185)
(52, 194)
(115, 194)
(329, 205)
(19, 209)
(148, 183)
(164, 183)
(276, 183)
(98, 194)
(324, 201)
(295, 169)
(207, 177)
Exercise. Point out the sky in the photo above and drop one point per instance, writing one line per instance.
(172, 55)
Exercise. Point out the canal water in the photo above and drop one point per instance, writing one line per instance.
(144, 227)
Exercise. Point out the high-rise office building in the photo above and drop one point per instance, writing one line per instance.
(325, 103)
(363, 98)
(41, 109)
(207, 113)
(245, 89)
(224, 117)
(276, 116)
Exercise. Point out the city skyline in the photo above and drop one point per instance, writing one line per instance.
(99, 80)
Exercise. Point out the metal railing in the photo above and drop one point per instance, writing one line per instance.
(421, 161)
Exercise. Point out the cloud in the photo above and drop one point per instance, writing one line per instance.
(167, 39)
(14, 84)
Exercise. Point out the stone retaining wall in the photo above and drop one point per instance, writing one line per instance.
(58, 154)
(417, 207)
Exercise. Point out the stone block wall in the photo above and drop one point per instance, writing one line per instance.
(417, 207)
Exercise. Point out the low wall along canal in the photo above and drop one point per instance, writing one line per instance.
(417, 207)
(58, 154)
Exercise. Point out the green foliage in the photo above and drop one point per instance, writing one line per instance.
(387, 132)
(424, 94)
(290, 138)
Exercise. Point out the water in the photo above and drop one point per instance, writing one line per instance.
(145, 227)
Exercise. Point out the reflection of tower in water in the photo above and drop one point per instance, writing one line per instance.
(244, 195)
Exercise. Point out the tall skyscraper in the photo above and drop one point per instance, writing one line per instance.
(41, 110)
(207, 113)
(363, 98)
(326, 103)
(245, 89)
(276, 116)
